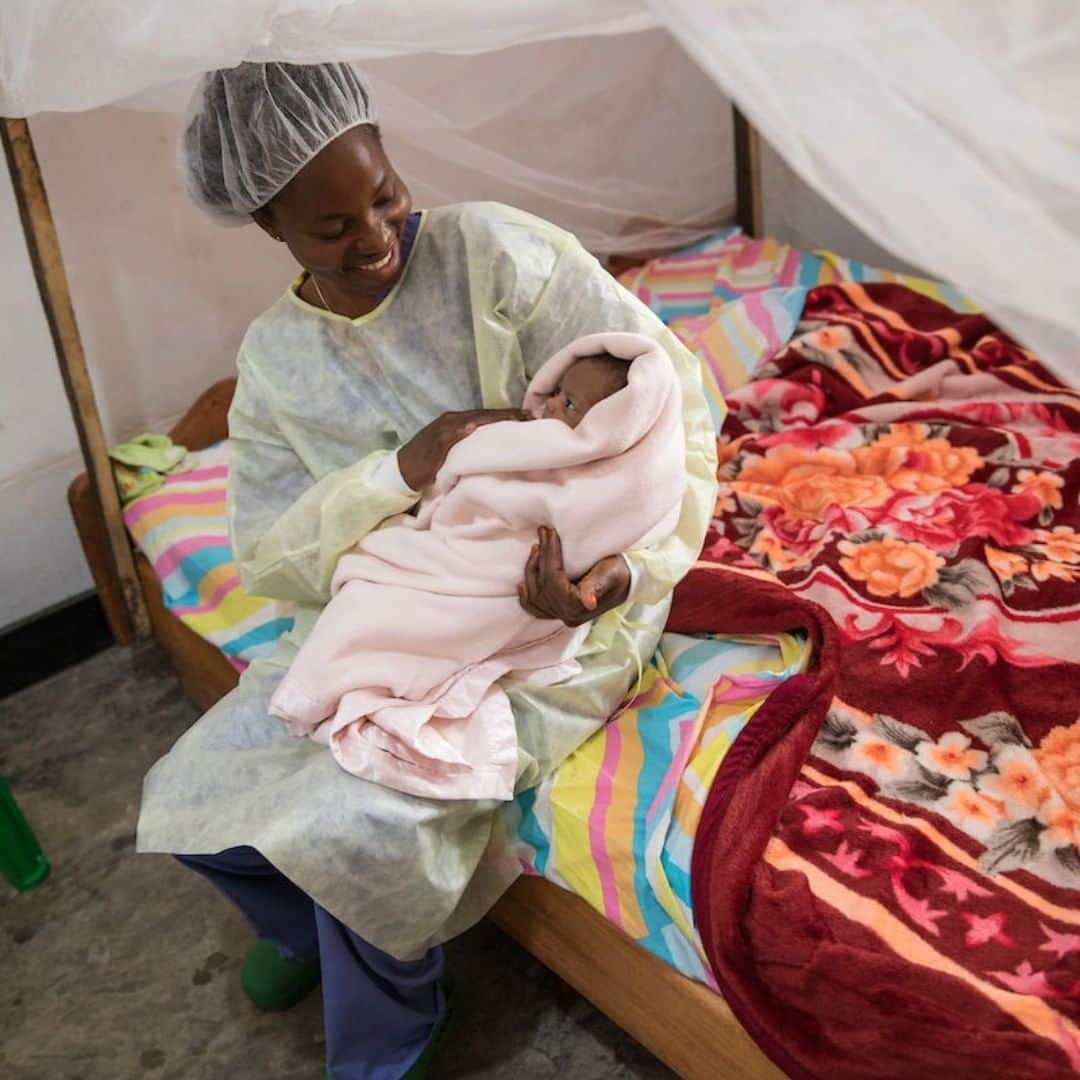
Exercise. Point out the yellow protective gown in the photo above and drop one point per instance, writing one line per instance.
(487, 295)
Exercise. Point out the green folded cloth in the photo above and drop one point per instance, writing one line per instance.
(141, 464)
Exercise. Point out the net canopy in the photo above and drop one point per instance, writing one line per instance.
(948, 131)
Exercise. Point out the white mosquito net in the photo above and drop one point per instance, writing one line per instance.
(947, 130)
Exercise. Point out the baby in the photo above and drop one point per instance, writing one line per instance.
(400, 676)
(584, 384)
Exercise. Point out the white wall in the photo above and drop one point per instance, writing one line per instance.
(162, 295)
(162, 299)
(40, 561)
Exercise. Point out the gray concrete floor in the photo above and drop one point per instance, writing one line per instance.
(127, 967)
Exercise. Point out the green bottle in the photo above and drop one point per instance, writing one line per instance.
(22, 861)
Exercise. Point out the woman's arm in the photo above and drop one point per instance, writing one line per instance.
(288, 529)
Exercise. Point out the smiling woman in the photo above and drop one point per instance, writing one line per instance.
(406, 331)
(344, 218)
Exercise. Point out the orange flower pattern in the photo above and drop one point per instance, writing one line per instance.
(1045, 486)
(1018, 782)
(1006, 786)
(879, 756)
(1062, 825)
(896, 503)
(1006, 564)
(778, 558)
(806, 482)
(910, 460)
(1046, 570)
(1058, 755)
(951, 756)
(891, 567)
(978, 813)
(1061, 544)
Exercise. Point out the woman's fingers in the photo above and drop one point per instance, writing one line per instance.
(558, 595)
(587, 592)
(596, 584)
(565, 596)
(551, 558)
(606, 585)
(532, 578)
(423, 455)
(527, 604)
(548, 593)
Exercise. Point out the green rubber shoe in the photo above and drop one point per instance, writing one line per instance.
(273, 982)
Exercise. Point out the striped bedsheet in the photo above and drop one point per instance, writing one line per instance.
(181, 528)
(735, 300)
(616, 823)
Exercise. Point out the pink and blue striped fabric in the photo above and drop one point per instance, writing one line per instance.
(182, 530)
(735, 301)
(616, 822)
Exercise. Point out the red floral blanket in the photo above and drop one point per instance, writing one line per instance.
(887, 877)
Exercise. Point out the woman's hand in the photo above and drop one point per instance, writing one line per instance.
(423, 455)
(548, 593)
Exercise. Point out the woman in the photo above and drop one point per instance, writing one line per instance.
(404, 332)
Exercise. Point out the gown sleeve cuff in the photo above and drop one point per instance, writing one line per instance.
(635, 575)
(387, 475)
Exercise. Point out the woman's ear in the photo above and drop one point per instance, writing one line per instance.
(264, 218)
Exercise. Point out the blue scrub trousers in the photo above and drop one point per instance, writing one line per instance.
(379, 1013)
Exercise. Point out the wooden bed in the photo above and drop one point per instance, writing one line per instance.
(686, 1025)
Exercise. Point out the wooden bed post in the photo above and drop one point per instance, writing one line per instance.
(748, 202)
(44, 247)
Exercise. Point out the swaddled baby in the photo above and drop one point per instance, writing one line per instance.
(585, 383)
(399, 676)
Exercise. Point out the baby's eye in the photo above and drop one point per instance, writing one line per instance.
(570, 405)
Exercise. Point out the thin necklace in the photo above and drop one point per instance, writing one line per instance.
(319, 293)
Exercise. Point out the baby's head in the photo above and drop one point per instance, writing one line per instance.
(585, 383)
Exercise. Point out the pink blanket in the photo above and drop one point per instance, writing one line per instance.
(399, 676)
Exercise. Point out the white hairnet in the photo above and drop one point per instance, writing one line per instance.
(252, 128)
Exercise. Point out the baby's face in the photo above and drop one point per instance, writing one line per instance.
(582, 386)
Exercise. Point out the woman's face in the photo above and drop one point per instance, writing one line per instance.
(342, 215)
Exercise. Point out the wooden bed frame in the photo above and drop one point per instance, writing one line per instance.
(685, 1024)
